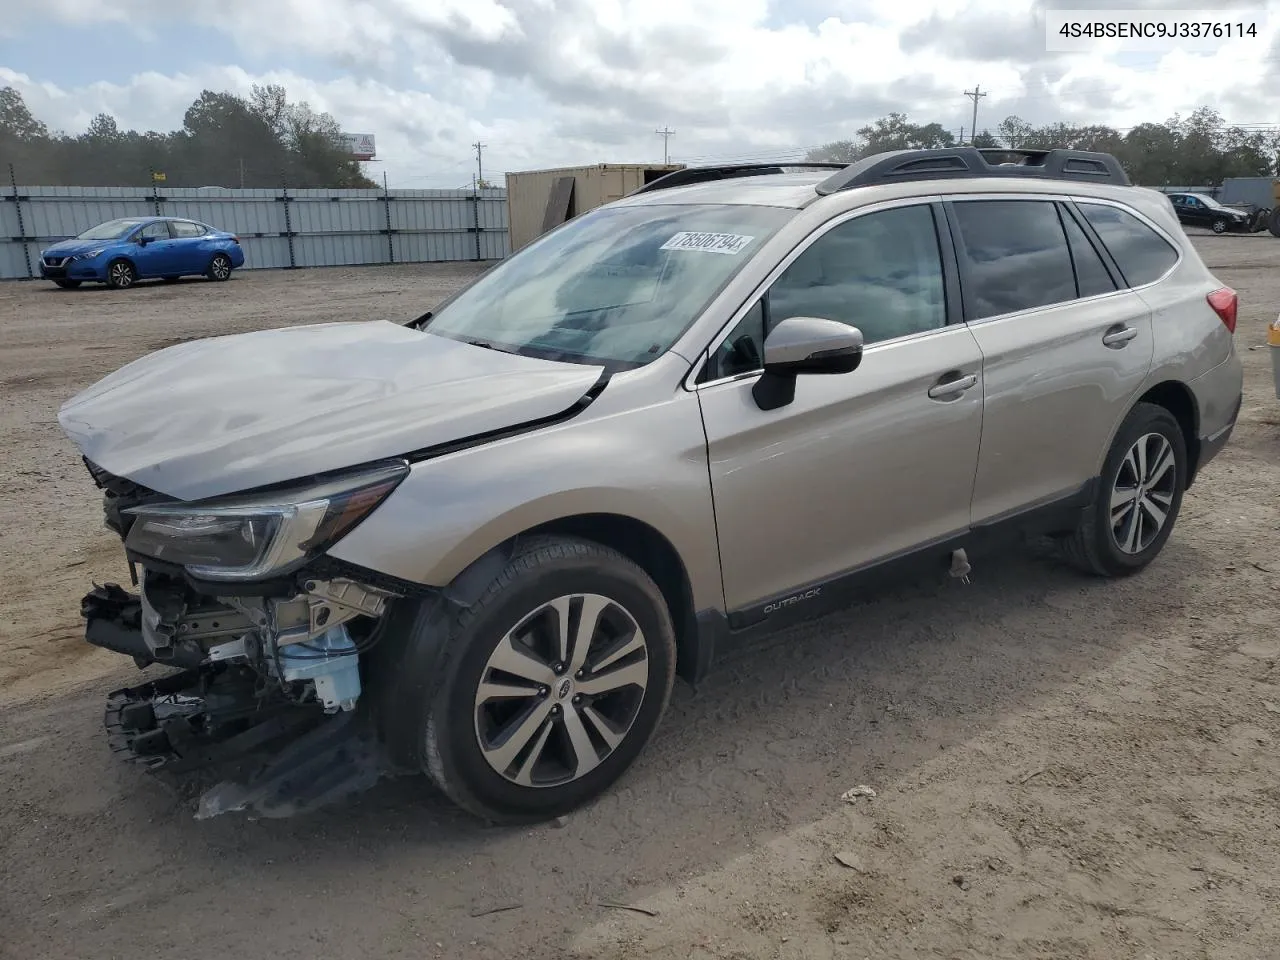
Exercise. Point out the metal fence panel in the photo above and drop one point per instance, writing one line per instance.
(277, 228)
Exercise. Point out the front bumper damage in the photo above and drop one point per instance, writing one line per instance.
(266, 698)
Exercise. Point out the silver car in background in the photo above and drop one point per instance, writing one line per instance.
(483, 544)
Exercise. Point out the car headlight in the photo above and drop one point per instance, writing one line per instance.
(252, 537)
(90, 255)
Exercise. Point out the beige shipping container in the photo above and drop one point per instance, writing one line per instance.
(538, 200)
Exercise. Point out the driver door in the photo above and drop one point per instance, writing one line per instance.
(156, 255)
(859, 467)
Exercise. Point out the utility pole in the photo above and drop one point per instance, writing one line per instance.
(666, 136)
(242, 173)
(479, 163)
(975, 95)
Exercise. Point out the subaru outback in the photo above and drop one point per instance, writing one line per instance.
(482, 544)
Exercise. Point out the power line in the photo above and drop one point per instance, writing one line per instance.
(666, 136)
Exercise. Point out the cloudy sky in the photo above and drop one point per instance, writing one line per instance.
(557, 82)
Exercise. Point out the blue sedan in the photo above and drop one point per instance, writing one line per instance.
(121, 252)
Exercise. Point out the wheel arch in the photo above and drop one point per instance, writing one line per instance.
(1177, 398)
(639, 542)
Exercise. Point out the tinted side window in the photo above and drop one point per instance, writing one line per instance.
(1142, 254)
(881, 273)
(1091, 274)
(1016, 256)
(183, 228)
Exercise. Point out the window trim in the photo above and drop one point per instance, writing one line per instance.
(205, 229)
(1068, 213)
(950, 284)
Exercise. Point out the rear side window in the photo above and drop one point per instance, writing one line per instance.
(1016, 256)
(1142, 254)
(1092, 277)
(185, 228)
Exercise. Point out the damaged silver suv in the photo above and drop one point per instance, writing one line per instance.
(482, 544)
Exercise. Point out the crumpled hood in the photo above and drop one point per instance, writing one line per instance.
(69, 248)
(221, 415)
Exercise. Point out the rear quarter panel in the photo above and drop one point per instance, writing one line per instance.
(1191, 341)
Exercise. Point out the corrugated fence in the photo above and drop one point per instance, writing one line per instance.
(277, 228)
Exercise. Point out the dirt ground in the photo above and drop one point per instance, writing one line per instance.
(1062, 767)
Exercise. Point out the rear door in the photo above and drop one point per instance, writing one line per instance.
(1065, 348)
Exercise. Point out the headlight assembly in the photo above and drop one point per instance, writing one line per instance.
(252, 537)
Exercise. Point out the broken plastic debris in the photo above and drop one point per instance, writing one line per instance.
(852, 795)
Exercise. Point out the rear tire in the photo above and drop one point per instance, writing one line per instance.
(1138, 498)
(121, 275)
(219, 267)
(514, 727)
(68, 284)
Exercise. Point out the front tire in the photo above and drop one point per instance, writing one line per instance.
(1138, 499)
(121, 275)
(1219, 226)
(549, 685)
(219, 267)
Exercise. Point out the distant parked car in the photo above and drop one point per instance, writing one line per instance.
(1198, 210)
(121, 252)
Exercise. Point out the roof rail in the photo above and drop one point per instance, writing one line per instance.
(900, 166)
(690, 175)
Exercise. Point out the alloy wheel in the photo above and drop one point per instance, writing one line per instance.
(1143, 493)
(121, 275)
(220, 268)
(561, 690)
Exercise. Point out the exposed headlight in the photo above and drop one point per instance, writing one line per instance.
(261, 535)
(88, 256)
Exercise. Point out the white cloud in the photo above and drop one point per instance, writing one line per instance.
(549, 82)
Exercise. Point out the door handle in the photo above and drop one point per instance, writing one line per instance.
(950, 388)
(1118, 336)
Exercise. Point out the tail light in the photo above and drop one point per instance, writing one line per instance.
(1226, 304)
(235, 239)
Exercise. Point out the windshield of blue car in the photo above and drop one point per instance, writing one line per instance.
(111, 230)
(616, 286)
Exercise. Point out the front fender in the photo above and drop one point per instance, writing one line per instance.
(643, 462)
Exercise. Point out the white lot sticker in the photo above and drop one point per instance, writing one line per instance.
(729, 243)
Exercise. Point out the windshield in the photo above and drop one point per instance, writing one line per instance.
(111, 230)
(616, 286)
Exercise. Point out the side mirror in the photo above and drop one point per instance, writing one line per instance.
(804, 345)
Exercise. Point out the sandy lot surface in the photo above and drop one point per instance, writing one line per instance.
(1062, 767)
